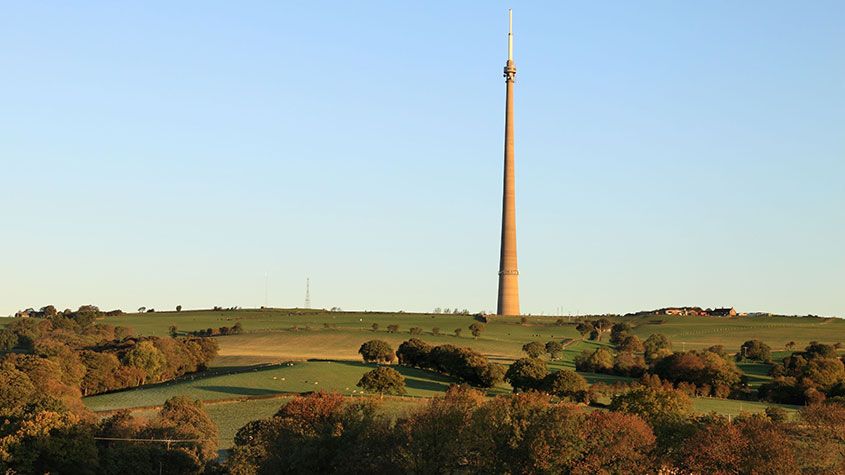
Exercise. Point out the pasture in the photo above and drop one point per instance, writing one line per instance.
(284, 352)
(233, 399)
(273, 335)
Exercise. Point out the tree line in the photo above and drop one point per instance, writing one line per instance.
(805, 377)
(647, 430)
(462, 363)
(51, 438)
(73, 354)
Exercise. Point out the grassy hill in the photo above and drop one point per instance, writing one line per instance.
(279, 334)
(283, 352)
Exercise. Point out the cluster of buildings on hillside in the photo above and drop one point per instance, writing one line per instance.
(691, 311)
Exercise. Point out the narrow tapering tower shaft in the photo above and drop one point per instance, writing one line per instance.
(508, 274)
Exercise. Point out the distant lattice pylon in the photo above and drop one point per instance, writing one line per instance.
(307, 292)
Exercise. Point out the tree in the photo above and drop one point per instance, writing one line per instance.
(458, 332)
(534, 349)
(376, 351)
(425, 448)
(825, 372)
(476, 329)
(48, 441)
(584, 328)
(374, 326)
(526, 373)
(599, 361)
(554, 349)
(656, 346)
(616, 443)
(142, 309)
(567, 384)
(100, 374)
(619, 331)
(629, 364)
(655, 405)
(184, 418)
(147, 357)
(49, 311)
(393, 328)
(383, 380)
(414, 352)
(16, 390)
(178, 308)
(602, 326)
(416, 331)
(501, 427)
(748, 445)
(700, 368)
(8, 339)
(319, 433)
(631, 344)
(821, 436)
(755, 350)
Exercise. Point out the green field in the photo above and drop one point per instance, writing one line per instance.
(283, 352)
(294, 377)
(280, 335)
(234, 399)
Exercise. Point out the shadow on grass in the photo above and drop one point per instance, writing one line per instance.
(593, 378)
(239, 391)
(199, 376)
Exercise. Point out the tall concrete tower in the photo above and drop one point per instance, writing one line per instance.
(508, 274)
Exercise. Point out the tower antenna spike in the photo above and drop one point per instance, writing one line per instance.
(510, 35)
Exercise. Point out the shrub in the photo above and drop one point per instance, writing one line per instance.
(777, 414)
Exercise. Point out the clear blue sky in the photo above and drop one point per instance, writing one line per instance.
(668, 153)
